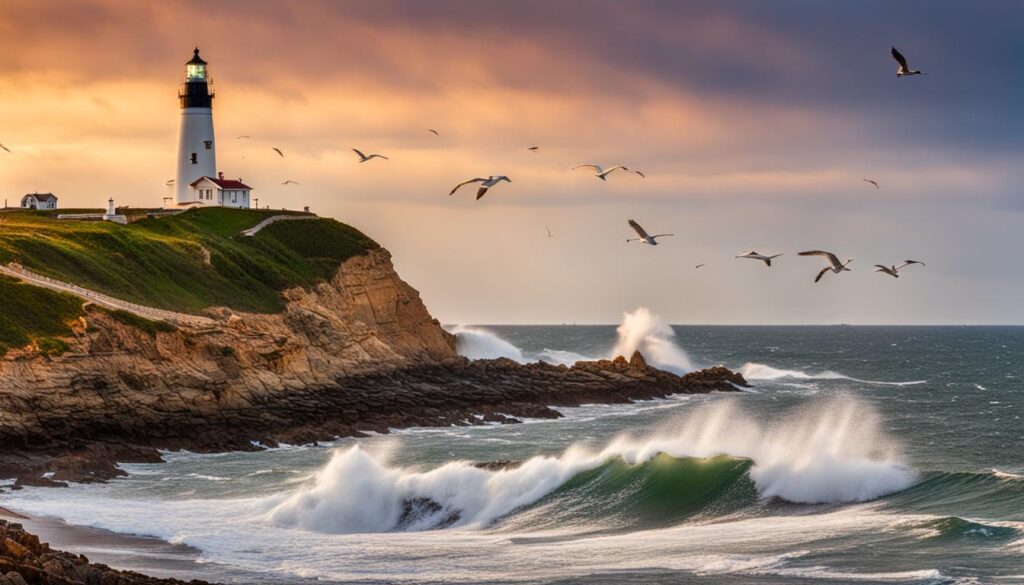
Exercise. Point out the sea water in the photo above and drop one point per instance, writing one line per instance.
(860, 455)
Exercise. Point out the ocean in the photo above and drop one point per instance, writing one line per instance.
(859, 455)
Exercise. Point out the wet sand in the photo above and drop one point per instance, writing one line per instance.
(147, 555)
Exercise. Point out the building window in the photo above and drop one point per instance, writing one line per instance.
(195, 159)
(208, 144)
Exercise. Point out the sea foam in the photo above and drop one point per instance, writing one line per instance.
(832, 452)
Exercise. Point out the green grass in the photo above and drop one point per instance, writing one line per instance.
(32, 314)
(185, 263)
(141, 323)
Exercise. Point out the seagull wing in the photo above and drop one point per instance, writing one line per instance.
(360, 153)
(476, 180)
(613, 169)
(595, 167)
(481, 191)
(831, 257)
(661, 235)
(379, 156)
(639, 230)
(169, 182)
(899, 58)
(278, 151)
(641, 174)
(870, 181)
(5, 148)
(243, 136)
(434, 132)
(822, 273)
(909, 262)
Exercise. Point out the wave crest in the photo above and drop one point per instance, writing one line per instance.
(834, 453)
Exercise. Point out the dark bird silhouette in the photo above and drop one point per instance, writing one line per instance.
(363, 158)
(903, 69)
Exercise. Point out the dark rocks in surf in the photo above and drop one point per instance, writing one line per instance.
(25, 560)
(455, 391)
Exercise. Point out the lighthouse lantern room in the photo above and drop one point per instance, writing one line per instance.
(197, 149)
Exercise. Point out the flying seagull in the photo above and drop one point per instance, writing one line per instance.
(894, 270)
(485, 184)
(533, 149)
(644, 238)
(242, 136)
(699, 266)
(434, 132)
(549, 230)
(363, 158)
(291, 182)
(754, 255)
(875, 183)
(169, 182)
(601, 173)
(277, 150)
(5, 148)
(904, 69)
(834, 264)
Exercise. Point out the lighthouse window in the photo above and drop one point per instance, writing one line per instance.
(208, 144)
(195, 159)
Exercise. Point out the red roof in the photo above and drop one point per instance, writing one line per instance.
(223, 183)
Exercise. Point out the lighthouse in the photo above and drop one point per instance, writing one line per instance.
(197, 150)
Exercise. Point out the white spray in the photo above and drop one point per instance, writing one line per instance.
(645, 332)
(831, 452)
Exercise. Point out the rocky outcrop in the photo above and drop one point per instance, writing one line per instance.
(24, 560)
(118, 380)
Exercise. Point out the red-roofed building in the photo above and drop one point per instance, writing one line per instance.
(220, 192)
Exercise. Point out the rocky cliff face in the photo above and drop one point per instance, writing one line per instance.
(121, 381)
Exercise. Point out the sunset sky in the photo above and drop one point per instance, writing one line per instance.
(755, 123)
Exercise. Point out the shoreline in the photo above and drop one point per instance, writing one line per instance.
(454, 392)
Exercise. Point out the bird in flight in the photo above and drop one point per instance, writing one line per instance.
(169, 182)
(894, 270)
(754, 255)
(277, 150)
(904, 68)
(485, 184)
(699, 266)
(289, 181)
(834, 264)
(5, 148)
(549, 231)
(603, 174)
(434, 132)
(644, 237)
(242, 136)
(533, 149)
(875, 183)
(363, 158)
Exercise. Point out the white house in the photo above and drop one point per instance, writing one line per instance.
(219, 192)
(39, 201)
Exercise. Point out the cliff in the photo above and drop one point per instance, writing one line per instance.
(121, 381)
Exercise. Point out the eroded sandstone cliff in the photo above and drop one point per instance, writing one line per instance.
(120, 381)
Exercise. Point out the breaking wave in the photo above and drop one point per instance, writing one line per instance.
(756, 371)
(477, 343)
(716, 459)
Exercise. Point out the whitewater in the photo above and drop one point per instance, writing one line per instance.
(847, 462)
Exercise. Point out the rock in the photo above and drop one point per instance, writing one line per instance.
(24, 560)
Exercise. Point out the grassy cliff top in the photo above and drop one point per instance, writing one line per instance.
(186, 262)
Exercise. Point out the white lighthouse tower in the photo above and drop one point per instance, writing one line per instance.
(197, 150)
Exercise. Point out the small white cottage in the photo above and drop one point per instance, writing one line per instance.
(220, 192)
(39, 201)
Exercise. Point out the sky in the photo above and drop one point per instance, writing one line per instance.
(754, 122)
